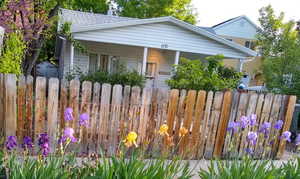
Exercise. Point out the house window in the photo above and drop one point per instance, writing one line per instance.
(248, 44)
(93, 62)
(150, 69)
(103, 63)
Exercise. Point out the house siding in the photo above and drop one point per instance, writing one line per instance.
(157, 34)
(240, 28)
(252, 68)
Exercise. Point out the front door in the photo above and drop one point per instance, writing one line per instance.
(151, 73)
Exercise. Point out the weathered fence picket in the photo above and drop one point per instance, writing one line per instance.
(40, 107)
(10, 105)
(21, 106)
(287, 123)
(2, 117)
(52, 111)
(29, 107)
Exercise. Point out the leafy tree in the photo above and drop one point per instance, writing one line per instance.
(37, 19)
(96, 6)
(13, 53)
(198, 75)
(34, 19)
(280, 51)
(181, 9)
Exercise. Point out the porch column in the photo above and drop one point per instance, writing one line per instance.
(177, 56)
(240, 65)
(144, 65)
(71, 57)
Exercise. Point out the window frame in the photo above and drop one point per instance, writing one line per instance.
(154, 70)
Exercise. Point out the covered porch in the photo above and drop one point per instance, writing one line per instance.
(156, 64)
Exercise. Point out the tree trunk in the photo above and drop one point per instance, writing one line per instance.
(34, 49)
(32, 55)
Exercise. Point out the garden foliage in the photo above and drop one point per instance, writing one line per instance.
(246, 166)
(208, 75)
(239, 169)
(279, 42)
(123, 78)
(12, 54)
(120, 76)
(130, 162)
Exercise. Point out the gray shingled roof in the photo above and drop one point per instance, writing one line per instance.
(208, 29)
(225, 21)
(78, 18)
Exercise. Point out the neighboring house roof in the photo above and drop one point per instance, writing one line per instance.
(224, 22)
(81, 22)
(229, 21)
(209, 29)
(239, 27)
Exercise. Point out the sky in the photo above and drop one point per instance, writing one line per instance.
(211, 12)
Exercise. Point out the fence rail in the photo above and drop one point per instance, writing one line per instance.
(31, 106)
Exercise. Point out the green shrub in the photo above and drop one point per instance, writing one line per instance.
(51, 167)
(123, 77)
(135, 167)
(197, 75)
(2, 170)
(291, 169)
(246, 168)
(12, 54)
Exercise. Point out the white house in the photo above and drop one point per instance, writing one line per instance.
(150, 46)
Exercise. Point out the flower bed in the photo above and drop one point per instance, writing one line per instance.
(17, 159)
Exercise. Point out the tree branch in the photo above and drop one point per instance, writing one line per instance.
(54, 10)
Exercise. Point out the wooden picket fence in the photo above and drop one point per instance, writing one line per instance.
(31, 106)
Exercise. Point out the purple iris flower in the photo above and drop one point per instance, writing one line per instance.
(252, 120)
(278, 125)
(286, 135)
(83, 119)
(11, 143)
(68, 115)
(297, 140)
(232, 126)
(68, 134)
(249, 151)
(265, 129)
(43, 143)
(27, 143)
(244, 121)
(252, 138)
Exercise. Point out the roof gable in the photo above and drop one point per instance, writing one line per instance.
(240, 27)
(103, 22)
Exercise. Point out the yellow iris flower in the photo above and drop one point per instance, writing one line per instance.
(163, 130)
(130, 139)
(183, 131)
